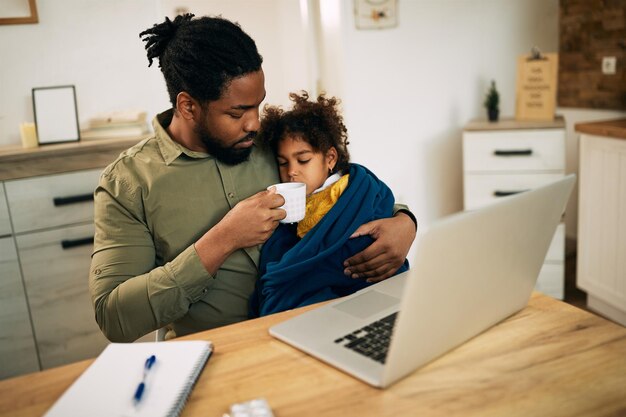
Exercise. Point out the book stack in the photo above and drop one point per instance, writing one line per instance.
(127, 123)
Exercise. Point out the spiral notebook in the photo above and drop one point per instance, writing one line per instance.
(108, 386)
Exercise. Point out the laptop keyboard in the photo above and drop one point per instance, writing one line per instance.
(371, 340)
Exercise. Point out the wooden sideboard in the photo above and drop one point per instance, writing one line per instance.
(17, 162)
(46, 235)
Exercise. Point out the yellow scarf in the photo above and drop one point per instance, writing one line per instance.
(320, 203)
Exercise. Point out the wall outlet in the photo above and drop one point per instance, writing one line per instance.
(608, 65)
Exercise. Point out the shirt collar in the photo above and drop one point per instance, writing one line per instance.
(329, 181)
(170, 149)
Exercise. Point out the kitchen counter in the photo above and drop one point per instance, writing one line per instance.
(611, 128)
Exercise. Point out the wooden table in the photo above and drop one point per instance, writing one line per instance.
(550, 359)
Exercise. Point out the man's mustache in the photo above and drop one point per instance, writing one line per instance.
(250, 136)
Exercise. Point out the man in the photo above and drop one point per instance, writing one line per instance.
(180, 216)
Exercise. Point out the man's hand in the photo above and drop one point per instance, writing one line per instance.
(251, 222)
(392, 240)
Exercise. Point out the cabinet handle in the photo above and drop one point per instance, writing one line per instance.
(72, 243)
(498, 193)
(63, 201)
(513, 152)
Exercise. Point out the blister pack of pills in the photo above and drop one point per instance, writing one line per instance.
(253, 408)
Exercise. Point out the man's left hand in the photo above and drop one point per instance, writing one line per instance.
(392, 240)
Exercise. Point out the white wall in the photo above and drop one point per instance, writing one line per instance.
(276, 27)
(95, 45)
(91, 44)
(408, 91)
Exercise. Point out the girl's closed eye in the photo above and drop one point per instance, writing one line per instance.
(304, 161)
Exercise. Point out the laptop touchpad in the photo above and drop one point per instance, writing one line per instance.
(366, 304)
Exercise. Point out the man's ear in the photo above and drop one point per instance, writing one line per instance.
(186, 105)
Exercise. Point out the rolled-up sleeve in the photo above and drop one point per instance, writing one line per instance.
(131, 294)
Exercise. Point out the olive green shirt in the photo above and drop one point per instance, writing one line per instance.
(151, 205)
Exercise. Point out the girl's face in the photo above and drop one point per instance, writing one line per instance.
(298, 162)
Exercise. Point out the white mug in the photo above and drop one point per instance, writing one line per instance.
(294, 194)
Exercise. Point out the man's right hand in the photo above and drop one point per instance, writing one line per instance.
(251, 222)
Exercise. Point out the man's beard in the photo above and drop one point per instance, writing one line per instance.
(228, 155)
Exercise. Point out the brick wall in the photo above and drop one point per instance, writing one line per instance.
(588, 31)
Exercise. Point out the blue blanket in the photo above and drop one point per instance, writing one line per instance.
(296, 272)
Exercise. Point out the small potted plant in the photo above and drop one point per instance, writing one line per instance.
(492, 102)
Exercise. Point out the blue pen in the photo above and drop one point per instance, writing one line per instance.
(142, 385)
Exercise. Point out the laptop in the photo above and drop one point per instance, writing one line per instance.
(471, 270)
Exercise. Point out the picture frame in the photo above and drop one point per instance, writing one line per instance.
(16, 12)
(56, 114)
(375, 14)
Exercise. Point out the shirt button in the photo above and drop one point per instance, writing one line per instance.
(204, 290)
(231, 195)
(97, 271)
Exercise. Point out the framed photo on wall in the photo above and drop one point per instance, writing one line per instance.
(56, 115)
(15, 12)
(375, 14)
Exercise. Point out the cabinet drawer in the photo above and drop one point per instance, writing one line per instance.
(57, 286)
(483, 189)
(550, 281)
(5, 223)
(528, 150)
(17, 345)
(50, 201)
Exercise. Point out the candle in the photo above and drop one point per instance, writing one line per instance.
(29, 135)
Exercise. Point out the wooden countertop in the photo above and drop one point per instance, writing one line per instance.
(17, 162)
(612, 128)
(550, 359)
(509, 123)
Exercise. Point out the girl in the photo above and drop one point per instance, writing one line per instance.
(302, 263)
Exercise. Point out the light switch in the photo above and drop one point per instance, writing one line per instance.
(608, 65)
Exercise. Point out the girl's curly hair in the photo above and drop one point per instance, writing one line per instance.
(319, 123)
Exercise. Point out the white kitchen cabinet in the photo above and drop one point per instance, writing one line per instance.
(17, 344)
(55, 265)
(5, 221)
(507, 157)
(46, 240)
(52, 220)
(601, 253)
